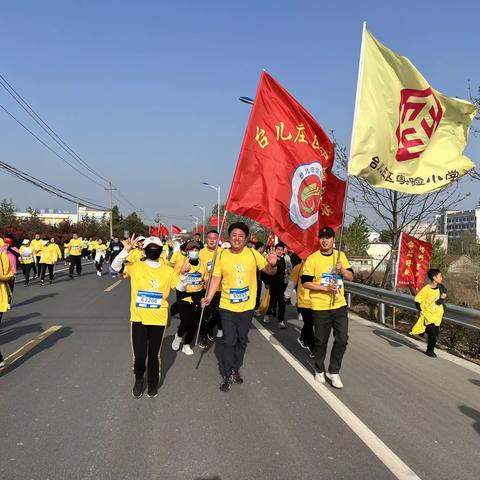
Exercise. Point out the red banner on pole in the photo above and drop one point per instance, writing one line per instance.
(283, 168)
(213, 221)
(176, 230)
(154, 232)
(413, 261)
(164, 231)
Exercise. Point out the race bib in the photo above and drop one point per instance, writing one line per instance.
(239, 295)
(329, 278)
(26, 257)
(194, 279)
(75, 247)
(147, 299)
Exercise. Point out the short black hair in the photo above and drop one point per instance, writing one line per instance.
(432, 273)
(258, 245)
(197, 233)
(280, 244)
(241, 226)
(212, 231)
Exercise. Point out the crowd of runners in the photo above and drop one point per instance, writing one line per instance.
(215, 288)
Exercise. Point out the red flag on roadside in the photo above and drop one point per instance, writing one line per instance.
(413, 261)
(164, 231)
(282, 168)
(176, 229)
(213, 221)
(154, 232)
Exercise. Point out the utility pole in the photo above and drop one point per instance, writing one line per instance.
(158, 219)
(110, 188)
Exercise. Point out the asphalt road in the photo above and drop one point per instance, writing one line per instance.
(67, 411)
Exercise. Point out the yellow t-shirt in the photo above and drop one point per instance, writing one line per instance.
(206, 256)
(135, 255)
(91, 245)
(36, 246)
(303, 295)
(26, 254)
(5, 271)
(75, 247)
(430, 311)
(238, 272)
(50, 254)
(101, 249)
(196, 279)
(150, 288)
(66, 249)
(322, 269)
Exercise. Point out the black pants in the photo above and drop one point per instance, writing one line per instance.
(259, 290)
(99, 264)
(306, 334)
(44, 270)
(212, 314)
(189, 319)
(26, 271)
(11, 284)
(36, 266)
(432, 331)
(277, 301)
(146, 342)
(324, 321)
(75, 261)
(235, 338)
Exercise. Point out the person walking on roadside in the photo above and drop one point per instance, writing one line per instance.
(190, 291)
(36, 245)
(277, 284)
(151, 283)
(75, 249)
(100, 253)
(236, 270)
(212, 314)
(6, 275)
(51, 254)
(115, 247)
(304, 308)
(26, 259)
(13, 255)
(323, 275)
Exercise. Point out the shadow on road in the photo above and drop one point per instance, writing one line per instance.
(12, 334)
(215, 477)
(9, 321)
(473, 414)
(475, 382)
(38, 298)
(49, 342)
(167, 358)
(396, 341)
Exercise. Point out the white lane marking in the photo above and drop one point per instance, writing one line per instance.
(111, 287)
(394, 463)
(473, 367)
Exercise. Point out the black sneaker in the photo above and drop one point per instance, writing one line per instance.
(210, 335)
(71, 276)
(203, 343)
(302, 343)
(226, 384)
(236, 377)
(50, 282)
(311, 354)
(137, 391)
(2, 361)
(41, 283)
(152, 392)
(432, 354)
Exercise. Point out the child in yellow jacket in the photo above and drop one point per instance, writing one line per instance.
(429, 302)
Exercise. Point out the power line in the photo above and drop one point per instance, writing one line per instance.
(10, 169)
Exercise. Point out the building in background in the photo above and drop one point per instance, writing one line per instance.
(454, 222)
(54, 217)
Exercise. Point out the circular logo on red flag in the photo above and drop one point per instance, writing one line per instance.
(306, 194)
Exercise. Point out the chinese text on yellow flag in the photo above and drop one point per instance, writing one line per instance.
(407, 136)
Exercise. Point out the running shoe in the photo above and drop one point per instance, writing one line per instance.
(301, 343)
(152, 392)
(41, 283)
(226, 384)
(266, 319)
(210, 335)
(220, 334)
(187, 350)
(282, 325)
(431, 354)
(176, 343)
(320, 377)
(203, 343)
(2, 361)
(236, 377)
(137, 391)
(335, 379)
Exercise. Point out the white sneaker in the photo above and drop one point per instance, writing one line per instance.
(300, 318)
(99, 274)
(187, 350)
(282, 325)
(266, 319)
(320, 377)
(219, 333)
(335, 380)
(176, 343)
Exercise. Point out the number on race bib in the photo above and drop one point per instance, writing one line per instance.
(147, 299)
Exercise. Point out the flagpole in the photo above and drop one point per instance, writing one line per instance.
(214, 259)
(355, 113)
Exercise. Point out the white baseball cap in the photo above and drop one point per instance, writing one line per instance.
(141, 238)
(152, 241)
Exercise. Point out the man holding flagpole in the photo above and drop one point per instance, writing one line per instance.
(236, 270)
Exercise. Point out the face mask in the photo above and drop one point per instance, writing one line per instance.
(152, 253)
(193, 255)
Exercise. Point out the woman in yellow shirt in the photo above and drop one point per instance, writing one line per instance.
(26, 259)
(151, 283)
(51, 254)
(6, 276)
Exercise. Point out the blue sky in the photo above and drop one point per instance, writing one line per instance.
(146, 92)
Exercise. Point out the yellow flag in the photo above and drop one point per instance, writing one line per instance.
(406, 135)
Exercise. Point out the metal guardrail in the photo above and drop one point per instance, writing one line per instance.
(466, 317)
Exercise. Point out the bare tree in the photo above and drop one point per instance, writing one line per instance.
(394, 211)
(475, 99)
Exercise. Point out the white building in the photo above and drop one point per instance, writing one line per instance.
(54, 217)
(454, 223)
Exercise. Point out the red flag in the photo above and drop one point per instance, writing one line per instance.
(413, 261)
(331, 205)
(176, 229)
(213, 221)
(164, 231)
(154, 232)
(281, 169)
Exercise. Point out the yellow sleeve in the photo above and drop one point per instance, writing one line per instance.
(129, 270)
(295, 275)
(59, 252)
(261, 261)
(6, 267)
(309, 267)
(217, 269)
(420, 296)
